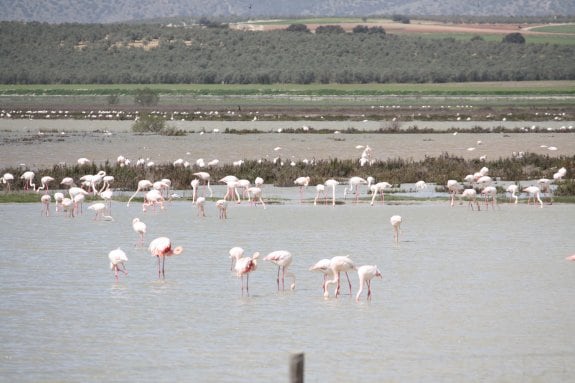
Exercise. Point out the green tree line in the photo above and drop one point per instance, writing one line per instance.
(39, 53)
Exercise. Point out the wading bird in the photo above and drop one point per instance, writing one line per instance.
(117, 259)
(161, 248)
(283, 259)
(366, 273)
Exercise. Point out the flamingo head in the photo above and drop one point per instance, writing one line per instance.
(178, 250)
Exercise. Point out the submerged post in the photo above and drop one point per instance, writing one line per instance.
(296, 368)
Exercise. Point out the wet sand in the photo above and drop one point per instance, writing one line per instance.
(43, 143)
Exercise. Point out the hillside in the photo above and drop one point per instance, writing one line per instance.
(108, 11)
(33, 53)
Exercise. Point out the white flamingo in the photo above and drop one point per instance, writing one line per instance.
(366, 273)
(283, 259)
(117, 259)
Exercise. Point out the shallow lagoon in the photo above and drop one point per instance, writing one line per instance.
(466, 296)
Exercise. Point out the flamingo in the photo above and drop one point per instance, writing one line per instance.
(68, 206)
(140, 228)
(283, 259)
(513, 189)
(232, 191)
(571, 258)
(302, 182)
(256, 192)
(28, 177)
(161, 248)
(454, 187)
(245, 185)
(46, 199)
(420, 185)
(354, 183)
(117, 259)
(545, 187)
(107, 197)
(7, 178)
(222, 206)
(332, 183)
(194, 183)
(142, 185)
(320, 190)
(200, 202)
(100, 209)
(395, 221)
(471, 196)
(366, 273)
(259, 182)
(534, 192)
(68, 181)
(205, 178)
(323, 266)
(558, 176)
(45, 181)
(338, 264)
(153, 198)
(244, 266)
(79, 202)
(379, 188)
(235, 254)
(490, 192)
(58, 198)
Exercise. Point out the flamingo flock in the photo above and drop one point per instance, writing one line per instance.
(155, 194)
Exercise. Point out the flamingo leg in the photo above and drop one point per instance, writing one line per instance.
(349, 282)
(368, 283)
(278, 278)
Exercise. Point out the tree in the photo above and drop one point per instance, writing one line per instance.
(329, 29)
(149, 123)
(515, 38)
(146, 97)
(297, 28)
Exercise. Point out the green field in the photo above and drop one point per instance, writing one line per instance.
(469, 88)
(563, 28)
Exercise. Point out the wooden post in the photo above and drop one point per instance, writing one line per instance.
(296, 368)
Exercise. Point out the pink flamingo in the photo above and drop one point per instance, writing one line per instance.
(320, 190)
(46, 199)
(200, 202)
(471, 196)
(323, 266)
(100, 209)
(194, 183)
(366, 273)
(490, 192)
(513, 189)
(45, 181)
(332, 184)
(161, 248)
(205, 178)
(117, 259)
(140, 228)
(142, 185)
(283, 259)
(571, 258)
(222, 206)
(534, 192)
(255, 195)
(7, 178)
(454, 187)
(28, 177)
(395, 221)
(354, 183)
(235, 254)
(244, 266)
(302, 182)
(379, 188)
(338, 264)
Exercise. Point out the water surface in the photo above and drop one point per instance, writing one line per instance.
(466, 296)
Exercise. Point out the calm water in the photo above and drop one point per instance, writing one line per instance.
(466, 296)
